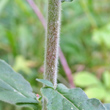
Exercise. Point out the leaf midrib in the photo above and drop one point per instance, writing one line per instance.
(14, 89)
(67, 99)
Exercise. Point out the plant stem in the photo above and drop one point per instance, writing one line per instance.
(62, 57)
(52, 41)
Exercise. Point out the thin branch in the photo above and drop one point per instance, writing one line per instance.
(62, 57)
(66, 69)
(37, 11)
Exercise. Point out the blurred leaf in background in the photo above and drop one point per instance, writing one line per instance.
(102, 36)
(85, 79)
(94, 88)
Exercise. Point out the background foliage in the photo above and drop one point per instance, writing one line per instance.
(85, 36)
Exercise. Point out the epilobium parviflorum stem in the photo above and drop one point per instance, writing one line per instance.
(52, 41)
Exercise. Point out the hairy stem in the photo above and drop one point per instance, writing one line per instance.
(52, 41)
(62, 57)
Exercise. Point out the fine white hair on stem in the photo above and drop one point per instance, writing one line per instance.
(52, 43)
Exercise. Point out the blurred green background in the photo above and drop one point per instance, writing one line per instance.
(85, 42)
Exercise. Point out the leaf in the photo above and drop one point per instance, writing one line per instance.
(22, 64)
(107, 106)
(107, 97)
(101, 36)
(63, 98)
(96, 92)
(46, 82)
(106, 79)
(33, 106)
(84, 79)
(13, 87)
(3, 4)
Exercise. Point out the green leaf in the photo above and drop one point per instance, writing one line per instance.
(3, 4)
(84, 79)
(106, 79)
(107, 106)
(63, 98)
(96, 92)
(102, 36)
(22, 64)
(13, 87)
(33, 106)
(107, 97)
(46, 82)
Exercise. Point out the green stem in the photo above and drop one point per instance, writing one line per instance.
(52, 42)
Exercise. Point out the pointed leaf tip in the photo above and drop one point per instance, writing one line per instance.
(46, 82)
(13, 87)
